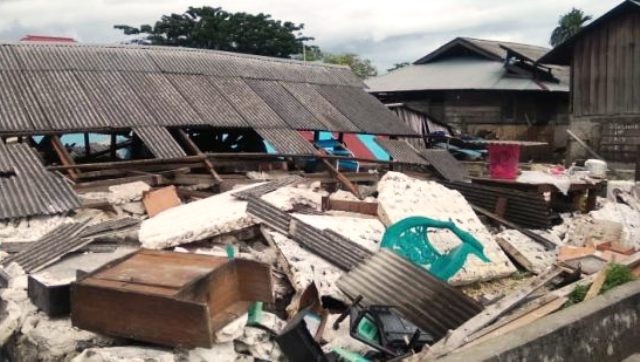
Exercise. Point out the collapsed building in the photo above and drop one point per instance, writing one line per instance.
(173, 204)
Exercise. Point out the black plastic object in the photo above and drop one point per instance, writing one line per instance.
(395, 335)
(297, 343)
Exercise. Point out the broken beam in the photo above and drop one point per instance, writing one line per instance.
(194, 149)
(64, 156)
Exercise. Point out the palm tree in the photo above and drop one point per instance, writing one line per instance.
(569, 24)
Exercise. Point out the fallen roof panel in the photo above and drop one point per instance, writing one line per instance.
(401, 151)
(160, 142)
(268, 187)
(446, 165)
(32, 190)
(388, 279)
(51, 247)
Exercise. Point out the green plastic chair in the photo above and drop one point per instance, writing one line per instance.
(408, 238)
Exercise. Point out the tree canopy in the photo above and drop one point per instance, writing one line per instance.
(569, 24)
(363, 68)
(214, 28)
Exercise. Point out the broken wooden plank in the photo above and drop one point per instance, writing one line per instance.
(360, 207)
(515, 254)
(194, 149)
(64, 156)
(156, 201)
(597, 284)
(460, 336)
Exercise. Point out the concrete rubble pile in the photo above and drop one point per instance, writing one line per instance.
(224, 228)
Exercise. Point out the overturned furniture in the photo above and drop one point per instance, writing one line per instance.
(168, 298)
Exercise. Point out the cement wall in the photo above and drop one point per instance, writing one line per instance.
(606, 328)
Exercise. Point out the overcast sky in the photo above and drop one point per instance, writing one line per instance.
(384, 31)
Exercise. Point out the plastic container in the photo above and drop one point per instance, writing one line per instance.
(596, 168)
(503, 161)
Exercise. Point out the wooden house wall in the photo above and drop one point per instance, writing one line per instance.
(606, 69)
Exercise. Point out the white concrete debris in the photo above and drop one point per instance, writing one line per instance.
(232, 330)
(125, 354)
(366, 232)
(258, 343)
(305, 268)
(401, 196)
(534, 254)
(625, 215)
(45, 339)
(289, 197)
(343, 195)
(195, 221)
(220, 352)
(30, 229)
(120, 194)
(340, 338)
(16, 303)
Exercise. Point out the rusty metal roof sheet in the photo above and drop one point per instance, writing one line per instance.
(212, 107)
(32, 190)
(160, 142)
(322, 109)
(430, 304)
(364, 110)
(401, 151)
(57, 243)
(286, 105)
(287, 141)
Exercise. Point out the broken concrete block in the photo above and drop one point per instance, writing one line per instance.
(159, 200)
(625, 215)
(531, 255)
(401, 196)
(167, 298)
(304, 268)
(215, 215)
(49, 289)
(133, 191)
(289, 198)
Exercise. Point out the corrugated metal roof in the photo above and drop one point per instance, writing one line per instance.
(430, 304)
(329, 245)
(51, 247)
(287, 141)
(252, 108)
(286, 105)
(269, 214)
(364, 110)
(212, 107)
(32, 190)
(265, 188)
(446, 165)
(458, 74)
(71, 87)
(64, 101)
(6, 165)
(160, 142)
(401, 151)
(489, 49)
(118, 102)
(324, 111)
(164, 102)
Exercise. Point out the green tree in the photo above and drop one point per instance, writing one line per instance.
(569, 24)
(213, 28)
(361, 67)
(397, 66)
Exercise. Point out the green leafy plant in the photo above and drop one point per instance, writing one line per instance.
(616, 275)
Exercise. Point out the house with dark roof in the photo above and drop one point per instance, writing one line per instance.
(605, 83)
(484, 86)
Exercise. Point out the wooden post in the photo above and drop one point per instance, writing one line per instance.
(64, 156)
(638, 164)
(112, 147)
(194, 149)
(87, 146)
(340, 177)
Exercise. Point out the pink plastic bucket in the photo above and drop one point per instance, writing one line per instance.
(503, 161)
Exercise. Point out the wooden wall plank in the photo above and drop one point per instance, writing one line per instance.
(635, 101)
(611, 65)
